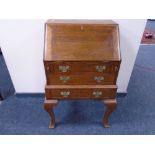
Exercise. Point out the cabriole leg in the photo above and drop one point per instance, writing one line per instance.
(48, 106)
(111, 106)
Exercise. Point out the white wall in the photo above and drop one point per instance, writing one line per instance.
(22, 44)
(131, 32)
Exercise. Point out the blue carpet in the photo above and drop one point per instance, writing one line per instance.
(135, 113)
(150, 28)
(150, 25)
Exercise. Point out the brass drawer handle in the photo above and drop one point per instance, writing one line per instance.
(64, 68)
(64, 78)
(65, 93)
(100, 68)
(98, 78)
(97, 93)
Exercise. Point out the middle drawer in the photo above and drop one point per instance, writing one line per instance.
(81, 78)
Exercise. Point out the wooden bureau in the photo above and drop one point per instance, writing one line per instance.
(81, 59)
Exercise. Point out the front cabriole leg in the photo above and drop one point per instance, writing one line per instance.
(48, 106)
(111, 106)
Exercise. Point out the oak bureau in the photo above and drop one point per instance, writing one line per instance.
(81, 60)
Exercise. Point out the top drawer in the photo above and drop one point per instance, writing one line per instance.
(60, 67)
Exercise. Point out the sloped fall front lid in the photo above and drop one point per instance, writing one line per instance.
(81, 40)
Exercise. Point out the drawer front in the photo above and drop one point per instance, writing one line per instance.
(62, 67)
(81, 78)
(80, 92)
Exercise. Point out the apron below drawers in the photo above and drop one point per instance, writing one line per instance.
(80, 92)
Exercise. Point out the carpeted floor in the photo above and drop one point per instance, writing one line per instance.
(150, 28)
(135, 113)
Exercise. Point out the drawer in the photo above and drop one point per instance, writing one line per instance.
(68, 67)
(80, 92)
(81, 78)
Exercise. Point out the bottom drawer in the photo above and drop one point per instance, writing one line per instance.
(80, 92)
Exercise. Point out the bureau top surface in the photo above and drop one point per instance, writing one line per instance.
(78, 21)
(81, 40)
